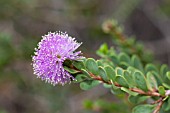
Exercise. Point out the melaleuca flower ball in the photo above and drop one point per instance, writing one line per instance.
(52, 51)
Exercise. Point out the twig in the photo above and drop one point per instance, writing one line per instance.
(139, 91)
(149, 93)
(119, 35)
(99, 78)
(157, 101)
(158, 107)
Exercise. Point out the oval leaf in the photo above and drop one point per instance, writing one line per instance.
(103, 50)
(80, 78)
(72, 71)
(89, 84)
(164, 69)
(102, 73)
(129, 78)
(140, 81)
(166, 85)
(137, 99)
(123, 57)
(128, 91)
(151, 67)
(168, 75)
(167, 108)
(151, 81)
(161, 90)
(136, 62)
(143, 109)
(116, 91)
(121, 80)
(79, 64)
(85, 72)
(110, 73)
(92, 66)
(114, 59)
(119, 71)
(99, 63)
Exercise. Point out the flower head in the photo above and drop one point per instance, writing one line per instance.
(50, 55)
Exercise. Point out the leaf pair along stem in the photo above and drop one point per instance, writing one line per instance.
(139, 91)
(151, 93)
(154, 93)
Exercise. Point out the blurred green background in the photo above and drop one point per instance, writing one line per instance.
(23, 22)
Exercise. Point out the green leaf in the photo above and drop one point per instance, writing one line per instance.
(161, 90)
(151, 81)
(164, 99)
(89, 84)
(151, 67)
(110, 73)
(103, 50)
(131, 70)
(136, 62)
(116, 91)
(114, 59)
(85, 72)
(129, 79)
(166, 85)
(80, 78)
(163, 70)
(72, 71)
(121, 80)
(107, 62)
(146, 108)
(99, 63)
(168, 75)
(85, 86)
(107, 85)
(102, 73)
(140, 81)
(157, 77)
(123, 65)
(123, 57)
(128, 91)
(79, 64)
(137, 99)
(92, 66)
(119, 71)
(168, 107)
(95, 83)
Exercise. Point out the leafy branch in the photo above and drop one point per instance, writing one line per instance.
(128, 69)
(132, 81)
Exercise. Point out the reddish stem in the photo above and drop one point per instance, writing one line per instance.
(139, 91)
(158, 107)
(149, 93)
